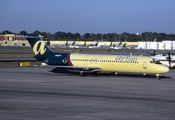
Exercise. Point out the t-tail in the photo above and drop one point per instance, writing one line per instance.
(43, 53)
(40, 49)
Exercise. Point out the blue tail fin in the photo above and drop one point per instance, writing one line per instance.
(40, 49)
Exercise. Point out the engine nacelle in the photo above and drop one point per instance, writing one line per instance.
(57, 61)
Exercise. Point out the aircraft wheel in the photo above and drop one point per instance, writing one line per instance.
(95, 73)
(158, 77)
(82, 73)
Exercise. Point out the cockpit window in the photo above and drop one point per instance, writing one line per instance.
(158, 62)
(154, 61)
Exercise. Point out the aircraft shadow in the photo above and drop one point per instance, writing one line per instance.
(104, 74)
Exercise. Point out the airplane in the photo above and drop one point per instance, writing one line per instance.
(120, 46)
(95, 63)
(72, 45)
(66, 45)
(107, 46)
(59, 45)
(167, 59)
(79, 45)
(115, 46)
(94, 45)
(82, 46)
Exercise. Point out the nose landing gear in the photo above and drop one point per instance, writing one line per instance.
(158, 76)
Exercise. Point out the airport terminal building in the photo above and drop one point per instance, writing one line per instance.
(10, 40)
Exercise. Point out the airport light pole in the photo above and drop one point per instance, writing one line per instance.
(126, 37)
(101, 37)
(119, 37)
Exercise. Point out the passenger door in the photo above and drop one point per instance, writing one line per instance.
(144, 65)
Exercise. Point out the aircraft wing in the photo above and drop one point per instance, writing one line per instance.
(85, 68)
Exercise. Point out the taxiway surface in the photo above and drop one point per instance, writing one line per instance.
(28, 93)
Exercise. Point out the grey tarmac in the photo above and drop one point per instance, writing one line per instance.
(32, 93)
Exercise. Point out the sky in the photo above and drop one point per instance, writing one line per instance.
(88, 16)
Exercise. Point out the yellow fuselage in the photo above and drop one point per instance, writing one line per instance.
(118, 63)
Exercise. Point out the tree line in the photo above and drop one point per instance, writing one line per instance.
(128, 37)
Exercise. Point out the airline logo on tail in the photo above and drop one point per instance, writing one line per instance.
(39, 47)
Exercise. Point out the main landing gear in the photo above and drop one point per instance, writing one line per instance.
(158, 76)
(82, 73)
(95, 73)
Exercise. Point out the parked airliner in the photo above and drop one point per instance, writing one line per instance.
(94, 62)
(167, 59)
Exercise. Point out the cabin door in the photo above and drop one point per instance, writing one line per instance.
(144, 64)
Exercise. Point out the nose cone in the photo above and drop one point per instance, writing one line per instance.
(164, 69)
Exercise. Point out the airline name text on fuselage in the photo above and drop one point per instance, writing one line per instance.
(126, 59)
